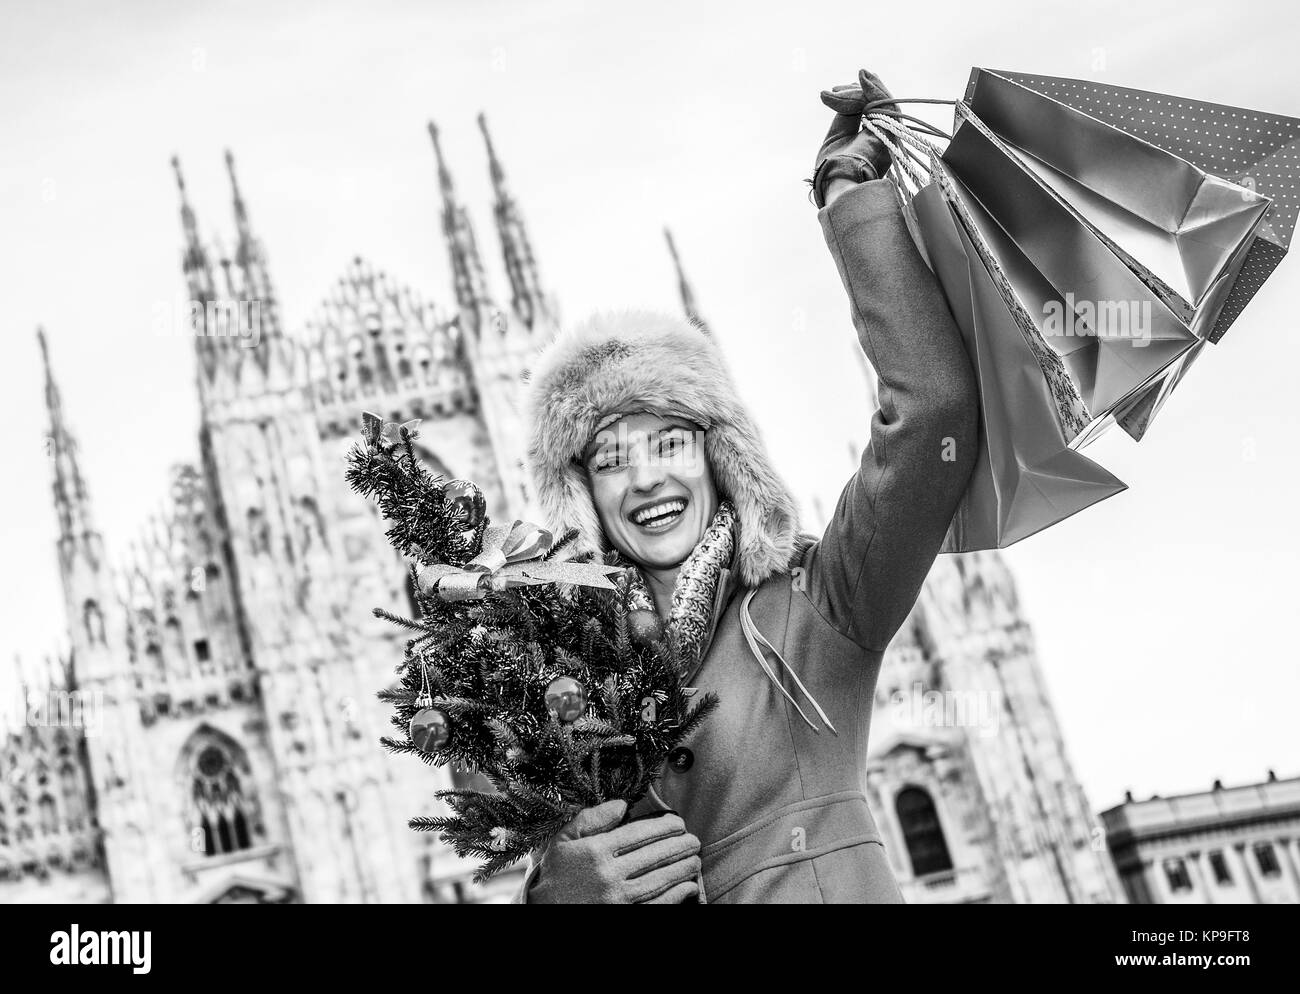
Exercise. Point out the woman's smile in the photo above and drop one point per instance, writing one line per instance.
(651, 486)
(658, 516)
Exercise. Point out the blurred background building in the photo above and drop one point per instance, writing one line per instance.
(230, 661)
(1227, 845)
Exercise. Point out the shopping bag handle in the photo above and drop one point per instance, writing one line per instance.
(908, 136)
(907, 165)
(884, 106)
(912, 155)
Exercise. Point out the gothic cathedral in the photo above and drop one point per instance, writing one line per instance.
(230, 664)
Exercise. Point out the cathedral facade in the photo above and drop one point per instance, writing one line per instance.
(213, 734)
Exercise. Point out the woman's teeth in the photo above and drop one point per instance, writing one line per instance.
(659, 515)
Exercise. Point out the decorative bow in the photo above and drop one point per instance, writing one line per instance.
(511, 556)
(386, 436)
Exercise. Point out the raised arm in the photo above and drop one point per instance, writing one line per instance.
(893, 513)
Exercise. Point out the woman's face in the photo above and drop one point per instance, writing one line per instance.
(652, 488)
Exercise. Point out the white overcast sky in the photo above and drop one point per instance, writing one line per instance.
(1165, 616)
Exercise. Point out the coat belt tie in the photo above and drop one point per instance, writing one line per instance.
(757, 642)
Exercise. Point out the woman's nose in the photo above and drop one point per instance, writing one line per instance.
(647, 473)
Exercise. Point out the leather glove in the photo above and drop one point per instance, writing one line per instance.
(595, 860)
(847, 152)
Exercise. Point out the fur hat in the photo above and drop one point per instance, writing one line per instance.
(628, 361)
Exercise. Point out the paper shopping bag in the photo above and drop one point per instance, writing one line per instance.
(1256, 151)
(1026, 476)
(1198, 199)
(1113, 334)
(1184, 230)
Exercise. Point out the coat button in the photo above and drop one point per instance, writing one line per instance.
(681, 759)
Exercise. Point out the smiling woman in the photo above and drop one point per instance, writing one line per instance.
(641, 444)
(653, 492)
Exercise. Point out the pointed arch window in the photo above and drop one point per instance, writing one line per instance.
(73, 795)
(919, 820)
(93, 619)
(174, 642)
(47, 814)
(259, 532)
(154, 660)
(311, 523)
(222, 809)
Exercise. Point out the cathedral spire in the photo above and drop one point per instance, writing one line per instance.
(226, 264)
(194, 260)
(466, 266)
(684, 287)
(529, 301)
(198, 277)
(250, 257)
(71, 500)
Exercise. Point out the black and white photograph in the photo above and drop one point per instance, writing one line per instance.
(566, 453)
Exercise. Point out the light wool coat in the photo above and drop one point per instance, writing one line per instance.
(775, 796)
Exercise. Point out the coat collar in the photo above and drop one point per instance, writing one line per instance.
(728, 584)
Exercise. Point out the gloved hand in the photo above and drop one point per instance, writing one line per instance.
(847, 152)
(594, 860)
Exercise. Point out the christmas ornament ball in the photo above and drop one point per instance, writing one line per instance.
(466, 502)
(430, 729)
(566, 699)
(644, 625)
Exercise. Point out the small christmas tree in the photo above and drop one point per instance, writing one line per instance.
(529, 668)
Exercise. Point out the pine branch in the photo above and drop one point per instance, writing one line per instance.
(379, 612)
(487, 664)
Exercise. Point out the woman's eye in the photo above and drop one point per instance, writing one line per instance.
(671, 445)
